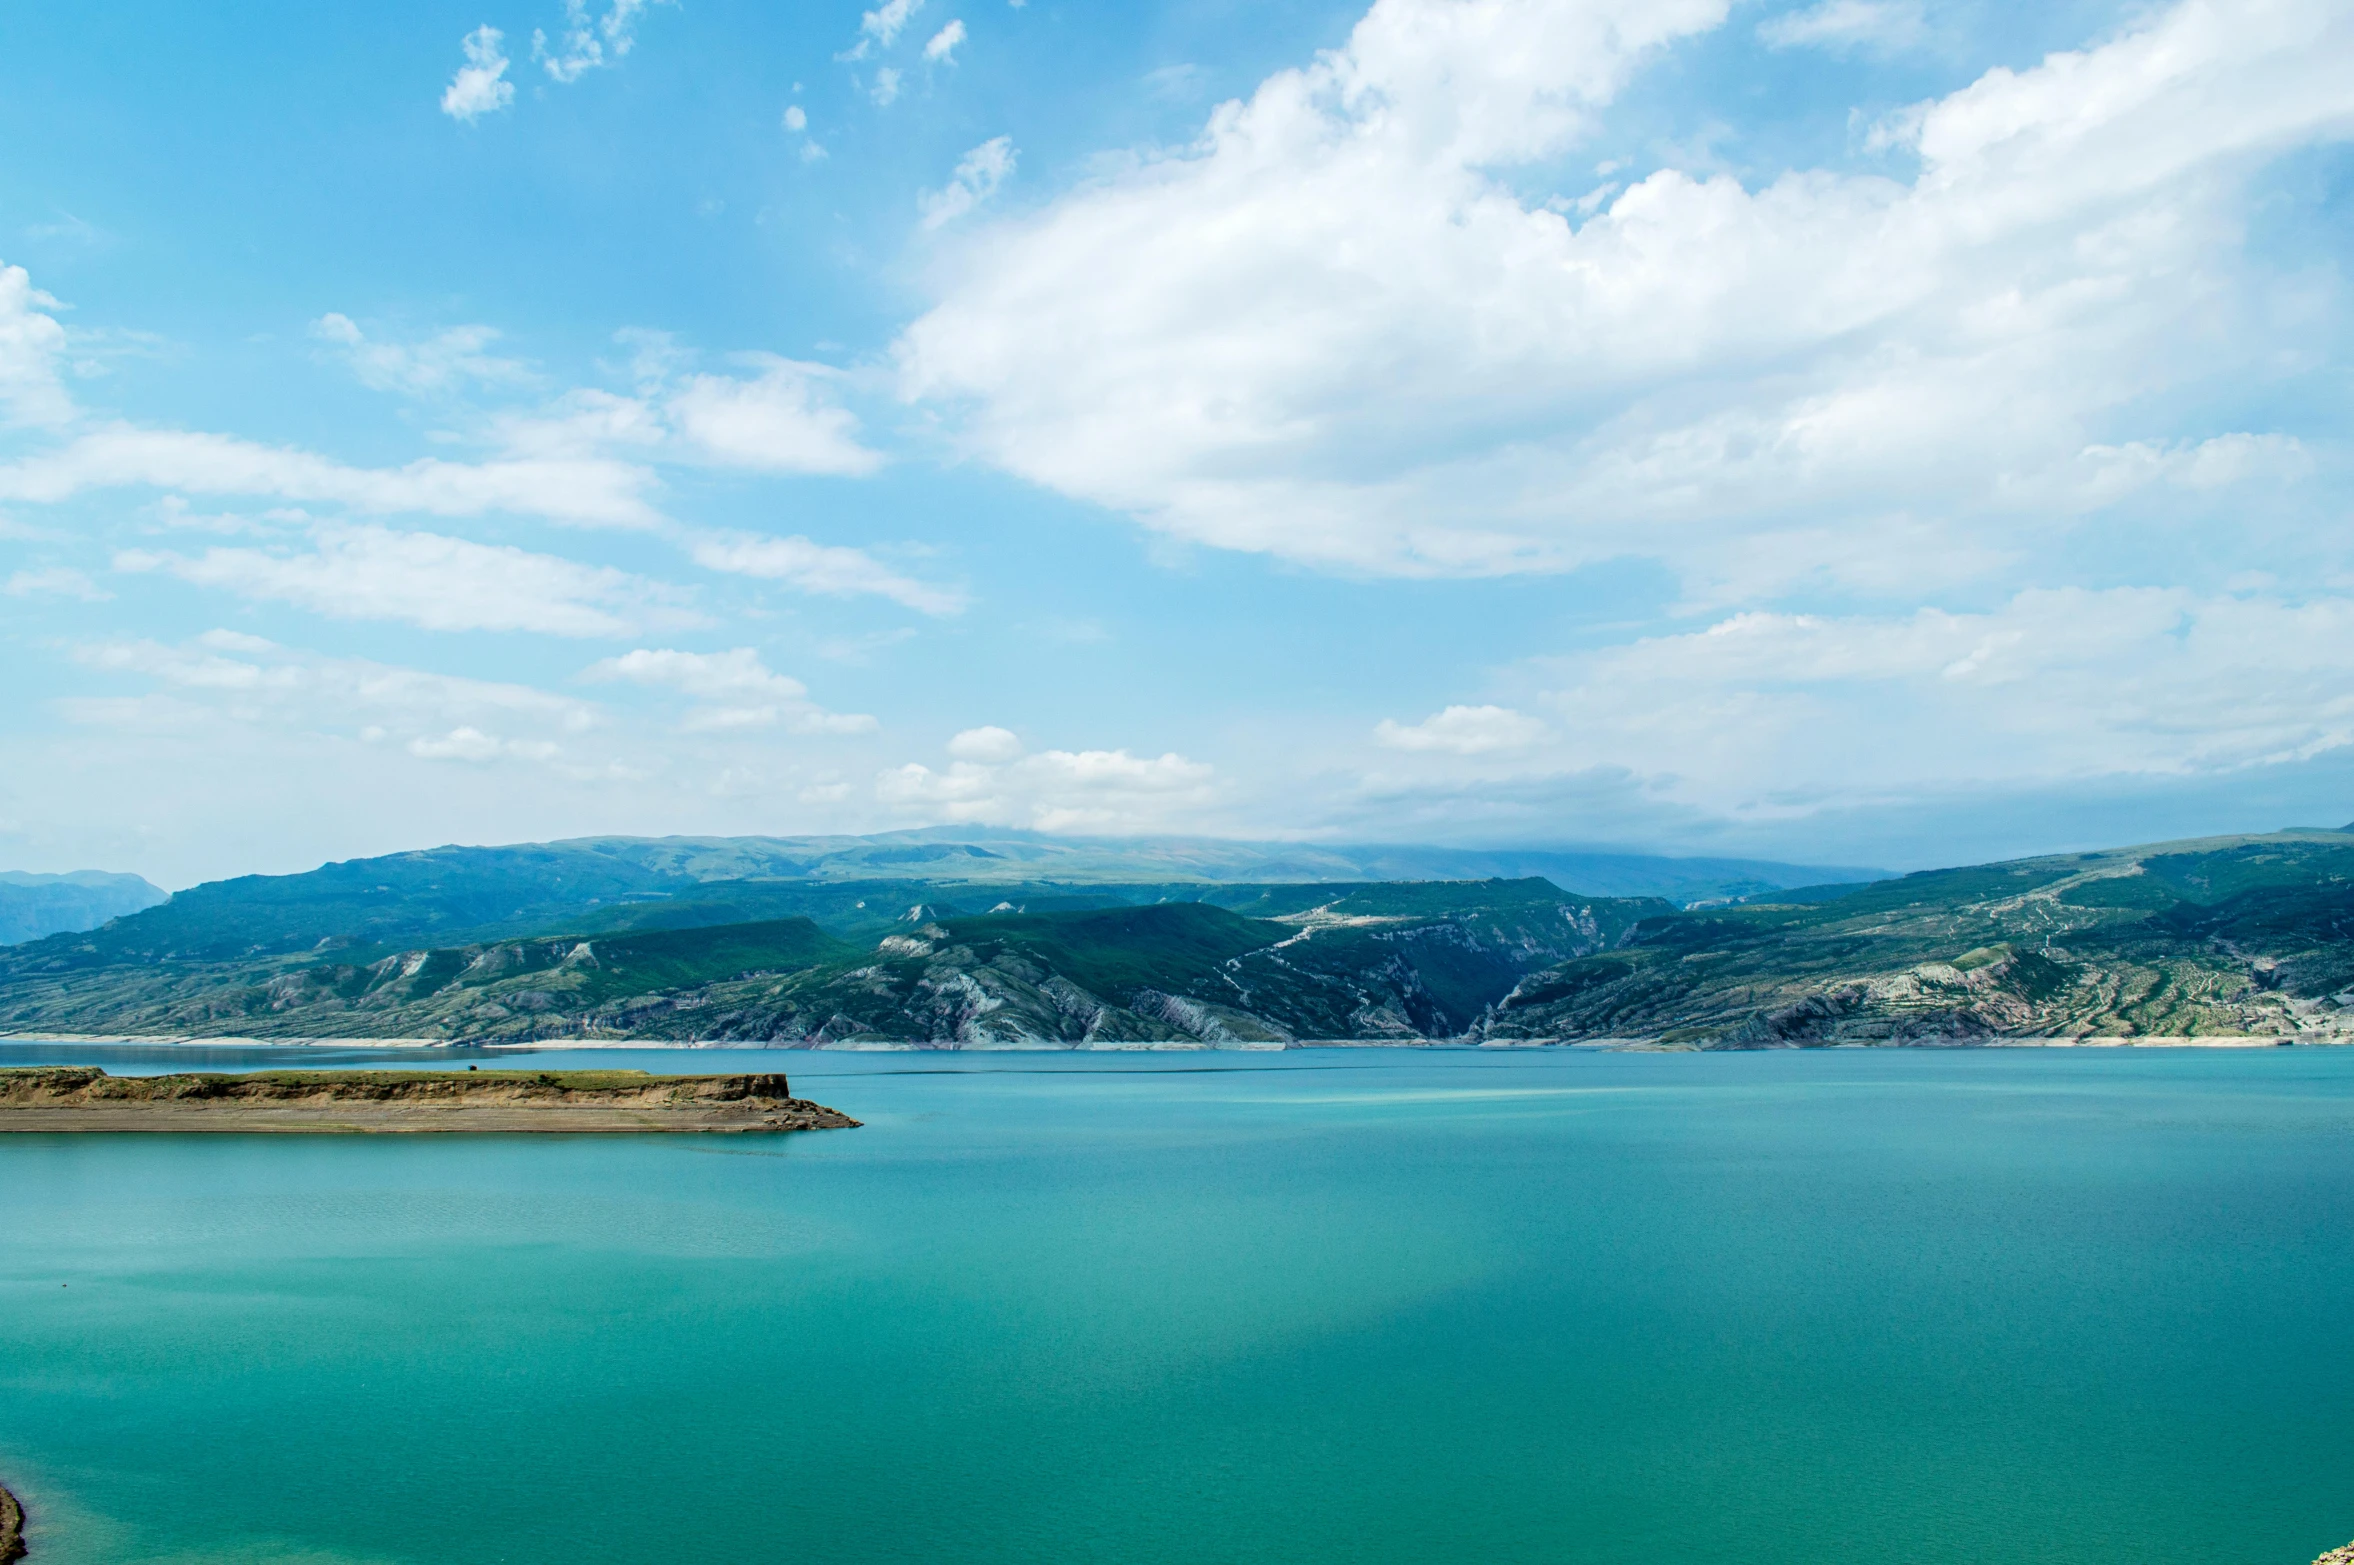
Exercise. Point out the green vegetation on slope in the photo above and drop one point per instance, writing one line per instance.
(2231, 936)
(2221, 937)
(1349, 961)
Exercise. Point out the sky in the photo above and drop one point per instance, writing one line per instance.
(1881, 432)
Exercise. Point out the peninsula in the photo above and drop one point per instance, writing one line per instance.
(84, 1098)
(12, 1528)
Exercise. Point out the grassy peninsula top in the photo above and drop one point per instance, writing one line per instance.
(85, 1098)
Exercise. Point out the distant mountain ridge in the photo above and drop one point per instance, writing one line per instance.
(1396, 962)
(32, 906)
(451, 895)
(2236, 937)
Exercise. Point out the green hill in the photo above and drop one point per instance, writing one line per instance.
(1338, 962)
(2242, 936)
(561, 987)
(854, 886)
(2239, 936)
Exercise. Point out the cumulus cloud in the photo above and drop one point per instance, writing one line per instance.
(942, 47)
(430, 367)
(32, 344)
(826, 569)
(796, 118)
(988, 744)
(1841, 25)
(1330, 330)
(428, 580)
(735, 690)
(1054, 790)
(782, 420)
(587, 43)
(1463, 730)
(977, 176)
(480, 87)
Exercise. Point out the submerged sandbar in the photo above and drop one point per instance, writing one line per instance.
(54, 1098)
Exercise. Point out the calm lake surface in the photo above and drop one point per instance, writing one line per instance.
(1330, 1305)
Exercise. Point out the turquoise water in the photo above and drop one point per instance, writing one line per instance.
(1320, 1306)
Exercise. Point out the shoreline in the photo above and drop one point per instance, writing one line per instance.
(12, 1527)
(896, 1046)
(85, 1099)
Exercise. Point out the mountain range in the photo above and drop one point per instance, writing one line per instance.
(842, 942)
(35, 905)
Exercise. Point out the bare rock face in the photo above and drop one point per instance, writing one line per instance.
(2344, 1556)
(12, 1528)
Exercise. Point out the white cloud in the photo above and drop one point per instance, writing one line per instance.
(1839, 25)
(583, 422)
(796, 118)
(472, 744)
(1764, 715)
(881, 28)
(426, 579)
(736, 690)
(56, 581)
(227, 677)
(1464, 730)
(438, 364)
(588, 45)
(886, 89)
(31, 346)
(829, 570)
(977, 176)
(989, 745)
(480, 87)
(559, 461)
(1328, 330)
(582, 490)
(942, 48)
(1055, 790)
(782, 421)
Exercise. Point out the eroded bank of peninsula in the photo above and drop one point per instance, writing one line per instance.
(85, 1098)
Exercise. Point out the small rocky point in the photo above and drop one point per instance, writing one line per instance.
(12, 1528)
(2344, 1556)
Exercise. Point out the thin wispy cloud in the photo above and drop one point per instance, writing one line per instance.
(978, 175)
(941, 50)
(881, 27)
(827, 570)
(589, 42)
(428, 580)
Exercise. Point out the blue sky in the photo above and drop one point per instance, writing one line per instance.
(1872, 431)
